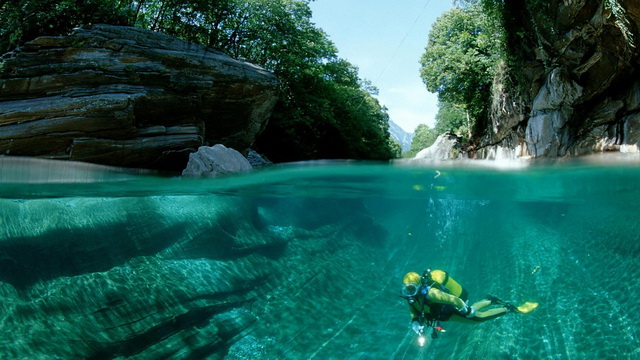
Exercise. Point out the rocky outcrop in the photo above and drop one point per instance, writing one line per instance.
(584, 92)
(446, 147)
(216, 160)
(128, 97)
(256, 160)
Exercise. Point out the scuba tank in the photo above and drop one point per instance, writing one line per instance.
(446, 283)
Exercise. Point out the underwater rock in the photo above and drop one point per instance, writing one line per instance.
(151, 278)
(180, 277)
(128, 97)
(23, 170)
(216, 160)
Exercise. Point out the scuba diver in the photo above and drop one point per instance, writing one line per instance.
(435, 297)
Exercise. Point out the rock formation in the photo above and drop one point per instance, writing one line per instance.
(584, 92)
(146, 282)
(216, 160)
(256, 160)
(446, 147)
(128, 97)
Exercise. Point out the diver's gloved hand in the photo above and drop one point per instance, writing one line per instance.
(472, 312)
(468, 311)
(415, 326)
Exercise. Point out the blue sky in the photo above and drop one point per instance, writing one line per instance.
(385, 40)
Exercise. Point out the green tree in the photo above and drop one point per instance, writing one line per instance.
(451, 118)
(463, 50)
(423, 137)
(330, 116)
(396, 148)
(25, 20)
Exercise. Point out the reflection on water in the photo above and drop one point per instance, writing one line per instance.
(305, 262)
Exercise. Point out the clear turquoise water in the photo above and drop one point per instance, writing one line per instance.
(332, 292)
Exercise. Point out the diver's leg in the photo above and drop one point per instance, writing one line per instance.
(480, 316)
(461, 319)
(482, 304)
(490, 314)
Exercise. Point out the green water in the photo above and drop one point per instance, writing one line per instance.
(306, 261)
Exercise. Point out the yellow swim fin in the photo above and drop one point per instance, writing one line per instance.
(527, 307)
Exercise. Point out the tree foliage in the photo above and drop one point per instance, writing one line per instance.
(25, 20)
(325, 109)
(463, 50)
(451, 118)
(423, 137)
(396, 148)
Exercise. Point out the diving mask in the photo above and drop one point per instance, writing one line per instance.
(410, 289)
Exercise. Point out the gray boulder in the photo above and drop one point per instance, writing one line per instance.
(446, 147)
(128, 97)
(216, 160)
(256, 160)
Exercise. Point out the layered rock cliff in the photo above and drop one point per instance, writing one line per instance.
(582, 90)
(128, 97)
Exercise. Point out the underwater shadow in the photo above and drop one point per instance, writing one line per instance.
(25, 261)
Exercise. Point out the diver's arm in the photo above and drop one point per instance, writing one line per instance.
(414, 313)
(415, 323)
(441, 297)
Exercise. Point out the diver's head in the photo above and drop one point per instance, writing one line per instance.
(411, 284)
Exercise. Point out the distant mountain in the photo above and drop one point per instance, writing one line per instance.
(402, 137)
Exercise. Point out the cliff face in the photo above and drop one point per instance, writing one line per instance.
(583, 92)
(128, 97)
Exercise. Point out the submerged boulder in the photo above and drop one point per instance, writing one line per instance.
(128, 97)
(130, 278)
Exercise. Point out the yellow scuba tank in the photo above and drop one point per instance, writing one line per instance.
(443, 278)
